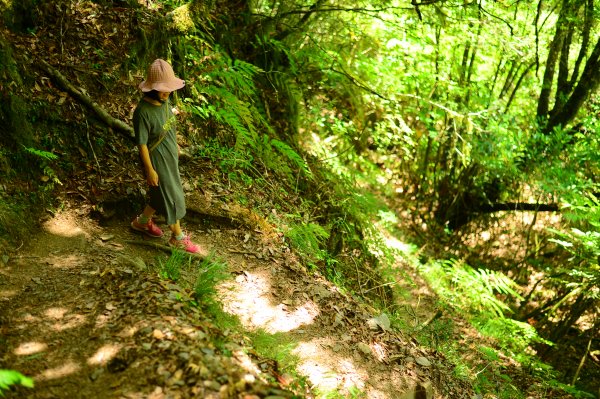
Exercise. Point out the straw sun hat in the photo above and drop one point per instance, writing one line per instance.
(161, 78)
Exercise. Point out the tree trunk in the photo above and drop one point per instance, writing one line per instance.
(588, 83)
(510, 76)
(471, 64)
(562, 81)
(585, 41)
(553, 54)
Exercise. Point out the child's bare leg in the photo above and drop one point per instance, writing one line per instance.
(176, 229)
(148, 212)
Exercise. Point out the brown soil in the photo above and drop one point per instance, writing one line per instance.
(86, 315)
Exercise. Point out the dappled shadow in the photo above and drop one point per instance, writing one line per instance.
(336, 349)
(49, 318)
(81, 319)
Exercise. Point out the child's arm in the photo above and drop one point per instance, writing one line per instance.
(151, 175)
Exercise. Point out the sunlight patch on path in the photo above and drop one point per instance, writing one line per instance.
(30, 348)
(64, 321)
(325, 368)
(64, 370)
(248, 298)
(63, 225)
(104, 354)
(253, 299)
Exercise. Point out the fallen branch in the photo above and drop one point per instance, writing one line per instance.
(162, 247)
(78, 94)
(518, 206)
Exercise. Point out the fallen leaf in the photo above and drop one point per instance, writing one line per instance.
(423, 361)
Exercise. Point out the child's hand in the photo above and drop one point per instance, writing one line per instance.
(152, 177)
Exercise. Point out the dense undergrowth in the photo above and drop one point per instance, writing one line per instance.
(366, 189)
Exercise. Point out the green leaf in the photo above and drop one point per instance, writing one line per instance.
(12, 377)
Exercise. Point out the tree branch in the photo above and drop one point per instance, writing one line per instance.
(518, 206)
(497, 17)
(78, 94)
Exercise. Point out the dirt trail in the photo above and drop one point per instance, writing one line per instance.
(82, 314)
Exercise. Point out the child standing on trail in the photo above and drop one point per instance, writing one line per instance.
(154, 125)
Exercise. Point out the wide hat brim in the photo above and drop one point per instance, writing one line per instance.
(171, 85)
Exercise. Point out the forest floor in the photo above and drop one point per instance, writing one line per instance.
(85, 314)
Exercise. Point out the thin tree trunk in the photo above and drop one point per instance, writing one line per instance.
(495, 80)
(588, 83)
(471, 64)
(517, 85)
(585, 41)
(562, 80)
(510, 76)
(553, 54)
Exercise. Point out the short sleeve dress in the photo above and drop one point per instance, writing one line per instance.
(149, 122)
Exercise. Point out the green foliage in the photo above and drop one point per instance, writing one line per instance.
(290, 154)
(44, 159)
(472, 289)
(513, 335)
(211, 271)
(12, 377)
(571, 390)
(48, 156)
(233, 163)
(229, 96)
(277, 346)
(171, 268)
(308, 239)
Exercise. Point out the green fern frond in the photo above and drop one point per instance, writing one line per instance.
(41, 153)
(289, 153)
(308, 238)
(472, 289)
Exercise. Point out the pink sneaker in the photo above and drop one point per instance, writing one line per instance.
(150, 229)
(185, 243)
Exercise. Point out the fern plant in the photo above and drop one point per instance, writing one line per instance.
(472, 289)
(44, 158)
(229, 96)
(308, 239)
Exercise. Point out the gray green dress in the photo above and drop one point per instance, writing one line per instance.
(149, 122)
